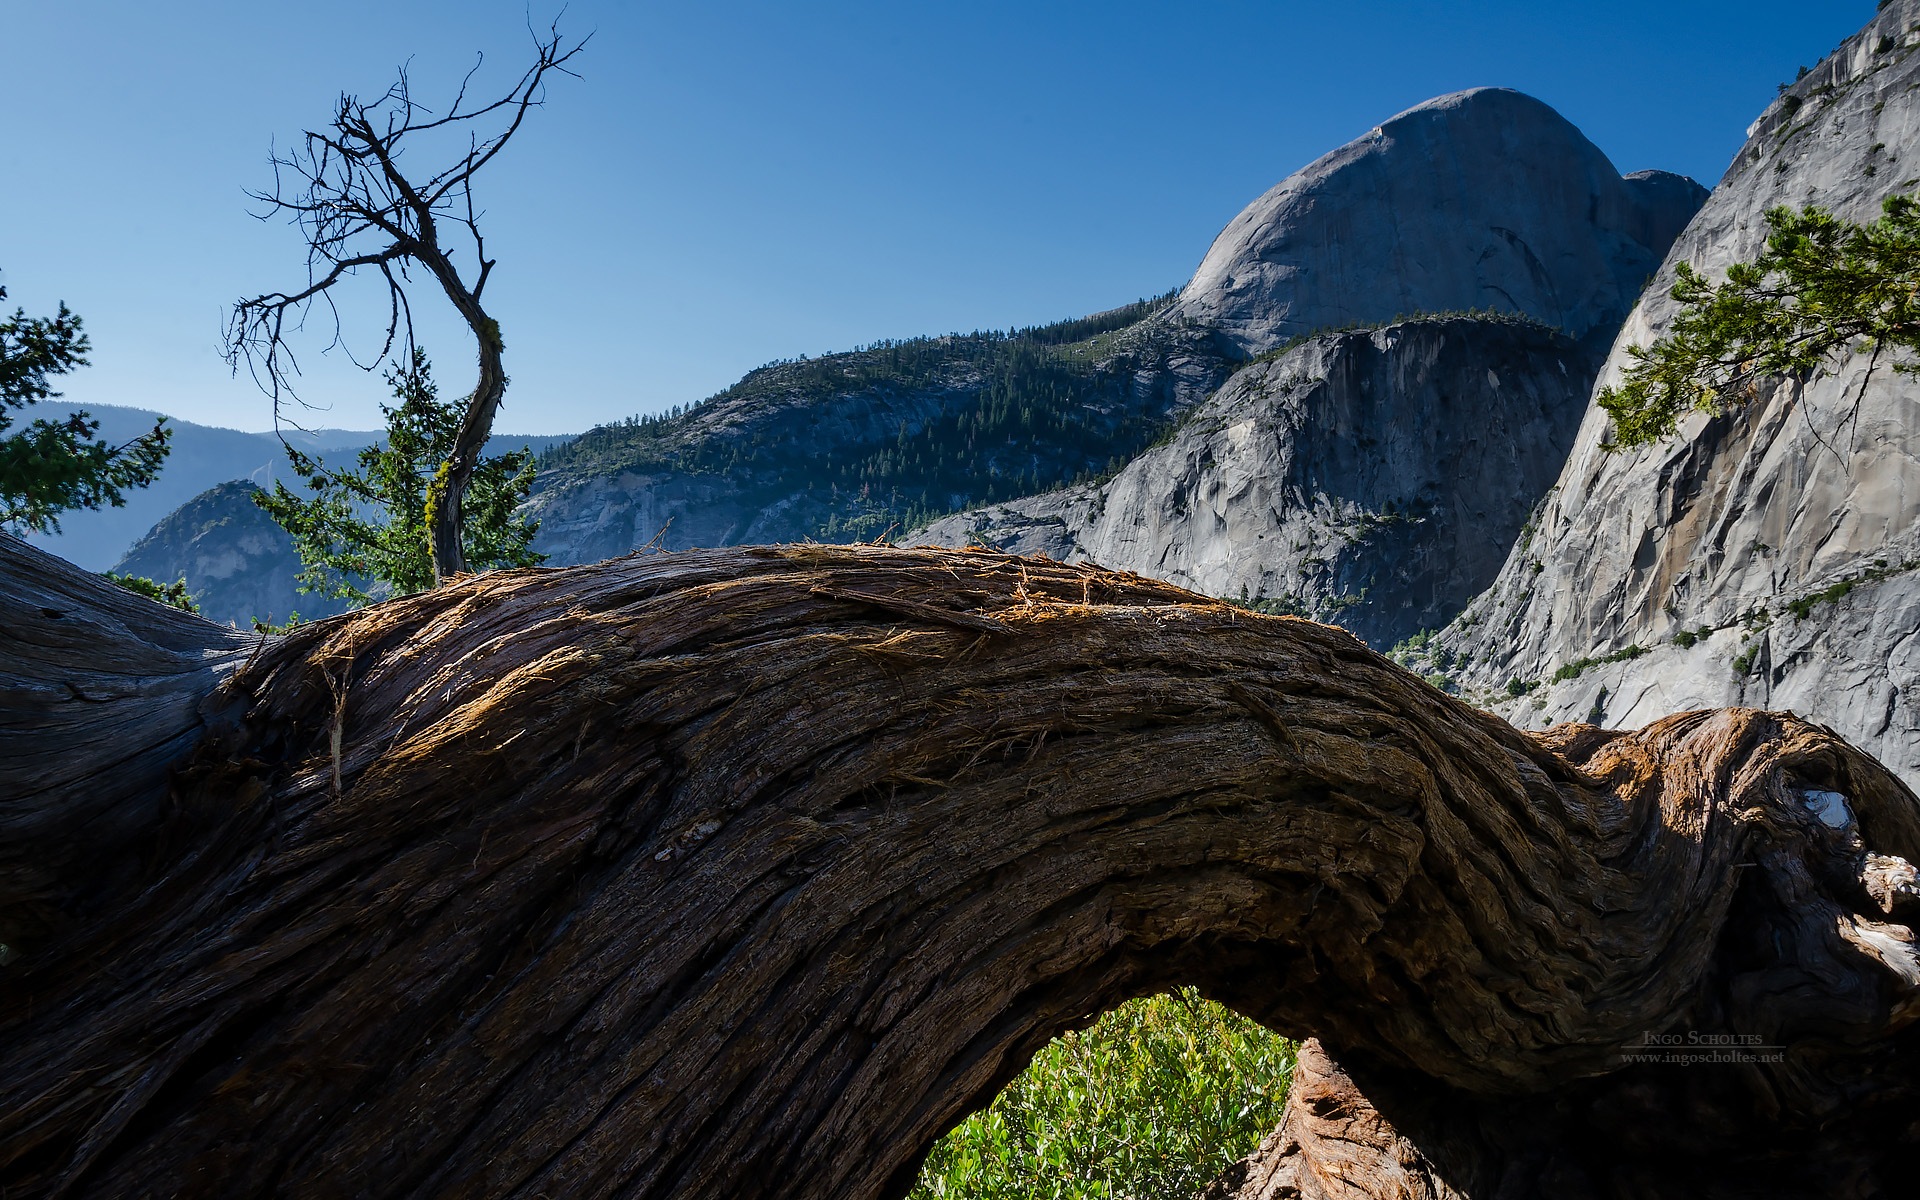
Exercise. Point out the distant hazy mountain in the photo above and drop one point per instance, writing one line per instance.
(202, 456)
(239, 565)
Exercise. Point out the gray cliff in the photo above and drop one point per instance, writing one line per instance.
(1484, 199)
(1370, 478)
(1762, 558)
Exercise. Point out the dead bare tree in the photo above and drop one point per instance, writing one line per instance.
(746, 873)
(347, 191)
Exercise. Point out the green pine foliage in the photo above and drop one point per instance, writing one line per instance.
(1579, 666)
(1153, 1100)
(174, 594)
(370, 524)
(1022, 411)
(52, 466)
(1821, 289)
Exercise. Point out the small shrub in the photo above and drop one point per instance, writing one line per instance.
(294, 620)
(1154, 1099)
(1574, 669)
(174, 594)
(1804, 606)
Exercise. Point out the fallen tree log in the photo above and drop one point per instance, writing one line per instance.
(748, 873)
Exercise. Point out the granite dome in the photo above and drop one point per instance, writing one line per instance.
(1482, 199)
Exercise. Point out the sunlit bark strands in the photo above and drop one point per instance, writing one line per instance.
(746, 873)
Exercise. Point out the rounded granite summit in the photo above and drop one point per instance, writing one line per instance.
(1483, 199)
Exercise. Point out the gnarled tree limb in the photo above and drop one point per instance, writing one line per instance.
(747, 873)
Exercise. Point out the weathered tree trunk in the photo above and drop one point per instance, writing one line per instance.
(747, 873)
(446, 496)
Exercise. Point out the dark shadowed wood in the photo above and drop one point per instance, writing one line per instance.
(747, 873)
(100, 692)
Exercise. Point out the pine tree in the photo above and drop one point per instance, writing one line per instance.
(1821, 289)
(53, 466)
(369, 526)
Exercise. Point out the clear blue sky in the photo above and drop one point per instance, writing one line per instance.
(737, 182)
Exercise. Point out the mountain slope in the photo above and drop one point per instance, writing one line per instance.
(201, 456)
(1379, 507)
(1764, 558)
(1373, 479)
(1377, 480)
(239, 565)
(846, 446)
(1483, 199)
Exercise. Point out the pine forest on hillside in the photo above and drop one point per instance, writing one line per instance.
(1022, 411)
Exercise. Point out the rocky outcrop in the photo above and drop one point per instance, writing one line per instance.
(1761, 558)
(238, 564)
(1370, 478)
(1376, 479)
(1484, 199)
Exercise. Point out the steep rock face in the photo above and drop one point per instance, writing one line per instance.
(238, 564)
(1369, 478)
(1484, 199)
(1777, 544)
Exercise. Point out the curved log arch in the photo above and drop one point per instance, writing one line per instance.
(750, 872)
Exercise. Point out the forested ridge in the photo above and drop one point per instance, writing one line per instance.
(893, 433)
